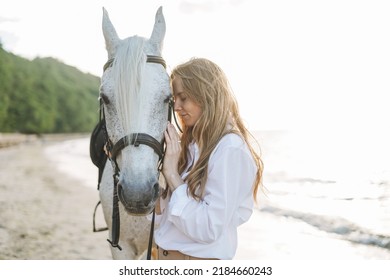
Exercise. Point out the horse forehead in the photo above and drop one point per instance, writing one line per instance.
(155, 82)
(154, 77)
(150, 48)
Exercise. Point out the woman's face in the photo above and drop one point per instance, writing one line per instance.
(188, 111)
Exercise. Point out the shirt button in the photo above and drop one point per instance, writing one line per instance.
(165, 253)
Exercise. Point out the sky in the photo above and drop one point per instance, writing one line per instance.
(293, 64)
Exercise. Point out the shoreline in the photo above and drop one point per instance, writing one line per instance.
(13, 139)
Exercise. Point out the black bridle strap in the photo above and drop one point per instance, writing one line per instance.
(149, 58)
(150, 245)
(136, 139)
(115, 230)
(156, 59)
(108, 64)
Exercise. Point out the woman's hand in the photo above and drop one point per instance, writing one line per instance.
(171, 158)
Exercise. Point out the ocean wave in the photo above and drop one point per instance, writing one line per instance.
(284, 177)
(334, 225)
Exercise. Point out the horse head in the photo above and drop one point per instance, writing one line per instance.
(135, 94)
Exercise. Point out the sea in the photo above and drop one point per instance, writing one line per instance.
(326, 194)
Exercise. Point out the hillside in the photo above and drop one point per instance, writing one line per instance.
(45, 96)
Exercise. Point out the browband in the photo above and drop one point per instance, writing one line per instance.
(149, 58)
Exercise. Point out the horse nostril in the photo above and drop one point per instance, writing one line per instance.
(156, 189)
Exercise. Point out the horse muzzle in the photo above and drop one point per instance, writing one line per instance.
(136, 202)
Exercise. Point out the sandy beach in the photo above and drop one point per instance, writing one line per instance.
(44, 215)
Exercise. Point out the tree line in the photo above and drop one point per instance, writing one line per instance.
(45, 95)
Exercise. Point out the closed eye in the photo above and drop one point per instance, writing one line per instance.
(181, 96)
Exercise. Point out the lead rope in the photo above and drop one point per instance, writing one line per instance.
(150, 245)
(115, 230)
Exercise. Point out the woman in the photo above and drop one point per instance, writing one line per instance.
(212, 171)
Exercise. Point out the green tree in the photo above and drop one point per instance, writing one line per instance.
(45, 96)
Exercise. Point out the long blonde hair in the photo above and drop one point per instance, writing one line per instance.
(207, 85)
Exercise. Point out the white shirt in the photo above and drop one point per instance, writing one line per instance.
(208, 228)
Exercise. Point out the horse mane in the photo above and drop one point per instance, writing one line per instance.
(128, 69)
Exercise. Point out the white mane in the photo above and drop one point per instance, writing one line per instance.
(128, 69)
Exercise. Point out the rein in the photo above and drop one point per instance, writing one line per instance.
(114, 150)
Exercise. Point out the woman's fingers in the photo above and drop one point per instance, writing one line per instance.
(171, 136)
(172, 131)
(171, 159)
(173, 146)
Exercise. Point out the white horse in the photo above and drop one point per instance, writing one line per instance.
(134, 93)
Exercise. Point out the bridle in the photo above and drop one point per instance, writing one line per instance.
(135, 139)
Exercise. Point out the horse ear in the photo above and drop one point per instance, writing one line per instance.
(110, 35)
(158, 33)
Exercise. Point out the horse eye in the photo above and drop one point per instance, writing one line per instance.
(104, 98)
(168, 99)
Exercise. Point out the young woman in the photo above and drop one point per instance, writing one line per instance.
(212, 171)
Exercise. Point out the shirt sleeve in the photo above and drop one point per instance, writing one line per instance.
(228, 197)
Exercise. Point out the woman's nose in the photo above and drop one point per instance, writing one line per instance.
(177, 106)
